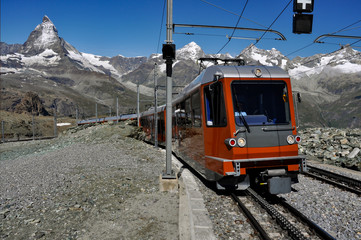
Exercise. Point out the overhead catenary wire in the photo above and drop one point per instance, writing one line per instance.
(341, 30)
(239, 18)
(214, 5)
(257, 41)
(161, 26)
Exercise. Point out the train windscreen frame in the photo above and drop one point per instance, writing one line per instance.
(260, 103)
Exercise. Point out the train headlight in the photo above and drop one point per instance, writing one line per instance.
(291, 139)
(298, 139)
(231, 142)
(241, 142)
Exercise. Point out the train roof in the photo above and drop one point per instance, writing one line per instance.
(207, 75)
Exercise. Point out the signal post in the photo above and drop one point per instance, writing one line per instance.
(168, 180)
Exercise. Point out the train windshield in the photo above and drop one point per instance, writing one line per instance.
(260, 103)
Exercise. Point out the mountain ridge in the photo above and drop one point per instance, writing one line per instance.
(329, 82)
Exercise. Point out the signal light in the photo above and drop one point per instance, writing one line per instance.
(168, 51)
(230, 142)
(302, 23)
(298, 139)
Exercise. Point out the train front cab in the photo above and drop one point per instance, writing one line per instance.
(250, 134)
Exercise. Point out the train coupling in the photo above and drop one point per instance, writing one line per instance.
(276, 180)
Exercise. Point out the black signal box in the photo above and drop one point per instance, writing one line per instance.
(302, 23)
(168, 51)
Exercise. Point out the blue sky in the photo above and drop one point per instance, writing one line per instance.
(131, 28)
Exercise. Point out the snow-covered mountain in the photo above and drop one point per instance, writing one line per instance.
(46, 63)
(343, 61)
(45, 48)
(58, 72)
(255, 56)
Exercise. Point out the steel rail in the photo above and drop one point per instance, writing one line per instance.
(255, 224)
(350, 184)
(317, 229)
(293, 232)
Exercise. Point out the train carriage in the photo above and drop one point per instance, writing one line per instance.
(236, 126)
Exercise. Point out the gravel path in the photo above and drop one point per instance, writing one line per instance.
(92, 184)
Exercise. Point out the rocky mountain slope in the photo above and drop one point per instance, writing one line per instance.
(48, 65)
(61, 75)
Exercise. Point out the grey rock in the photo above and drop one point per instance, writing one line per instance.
(354, 152)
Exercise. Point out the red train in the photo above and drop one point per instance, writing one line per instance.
(236, 125)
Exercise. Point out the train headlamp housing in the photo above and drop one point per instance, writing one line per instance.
(298, 139)
(241, 142)
(291, 139)
(230, 142)
(257, 72)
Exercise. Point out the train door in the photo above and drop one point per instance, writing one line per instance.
(215, 129)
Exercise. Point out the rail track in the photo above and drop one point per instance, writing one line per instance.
(343, 182)
(295, 224)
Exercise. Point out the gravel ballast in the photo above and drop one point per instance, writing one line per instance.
(92, 184)
(98, 183)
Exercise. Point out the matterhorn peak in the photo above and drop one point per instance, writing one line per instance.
(46, 19)
(45, 36)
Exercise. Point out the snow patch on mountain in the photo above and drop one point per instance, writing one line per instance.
(47, 58)
(273, 57)
(162, 67)
(191, 51)
(343, 61)
(95, 60)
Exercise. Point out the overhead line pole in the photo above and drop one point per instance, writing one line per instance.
(169, 54)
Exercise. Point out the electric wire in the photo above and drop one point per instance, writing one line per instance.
(161, 26)
(232, 13)
(342, 29)
(230, 38)
(312, 60)
(257, 41)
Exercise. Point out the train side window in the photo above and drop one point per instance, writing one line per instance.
(214, 105)
(188, 115)
(196, 110)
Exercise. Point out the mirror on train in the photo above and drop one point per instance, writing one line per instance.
(299, 99)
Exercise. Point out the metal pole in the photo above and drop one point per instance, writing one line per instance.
(169, 173)
(33, 127)
(110, 111)
(138, 123)
(169, 21)
(155, 110)
(55, 123)
(77, 115)
(117, 111)
(2, 132)
(96, 112)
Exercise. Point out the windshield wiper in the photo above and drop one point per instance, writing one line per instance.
(243, 119)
